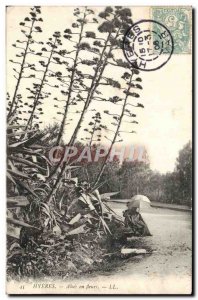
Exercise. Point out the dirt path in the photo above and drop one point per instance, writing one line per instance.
(171, 243)
(168, 268)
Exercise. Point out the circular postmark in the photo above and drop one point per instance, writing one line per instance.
(148, 45)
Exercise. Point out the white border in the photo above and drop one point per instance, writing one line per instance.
(3, 4)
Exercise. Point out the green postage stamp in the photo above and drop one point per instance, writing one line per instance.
(178, 21)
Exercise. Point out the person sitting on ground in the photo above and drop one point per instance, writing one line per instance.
(134, 220)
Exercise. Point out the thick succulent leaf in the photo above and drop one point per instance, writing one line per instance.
(17, 201)
(17, 133)
(36, 137)
(9, 176)
(20, 223)
(25, 151)
(16, 173)
(78, 230)
(75, 219)
(26, 187)
(105, 226)
(15, 126)
(41, 190)
(13, 232)
(105, 195)
(26, 162)
(16, 144)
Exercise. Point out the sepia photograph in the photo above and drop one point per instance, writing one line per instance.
(99, 150)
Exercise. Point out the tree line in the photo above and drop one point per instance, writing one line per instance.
(131, 178)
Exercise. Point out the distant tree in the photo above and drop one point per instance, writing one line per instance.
(154, 189)
(184, 173)
(110, 180)
(178, 184)
(134, 178)
(171, 188)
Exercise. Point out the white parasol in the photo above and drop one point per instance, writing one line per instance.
(139, 201)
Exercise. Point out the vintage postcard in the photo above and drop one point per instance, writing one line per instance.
(99, 150)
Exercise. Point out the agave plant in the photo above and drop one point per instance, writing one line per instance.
(25, 160)
(27, 170)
